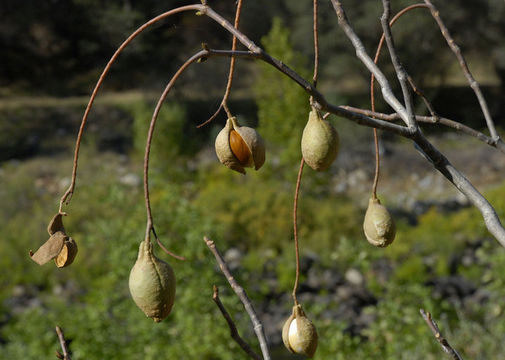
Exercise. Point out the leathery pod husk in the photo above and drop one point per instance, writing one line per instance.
(320, 142)
(238, 147)
(59, 246)
(299, 334)
(379, 226)
(152, 284)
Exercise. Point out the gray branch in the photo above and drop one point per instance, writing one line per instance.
(239, 290)
(400, 71)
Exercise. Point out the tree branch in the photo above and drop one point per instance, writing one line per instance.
(436, 332)
(258, 326)
(233, 328)
(498, 144)
(63, 343)
(400, 71)
(361, 53)
(464, 66)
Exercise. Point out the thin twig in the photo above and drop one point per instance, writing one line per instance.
(65, 199)
(464, 66)
(316, 43)
(223, 104)
(400, 71)
(295, 229)
(258, 326)
(233, 328)
(436, 332)
(63, 343)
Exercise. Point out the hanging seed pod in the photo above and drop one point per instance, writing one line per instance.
(378, 226)
(299, 334)
(238, 147)
(152, 284)
(59, 246)
(320, 142)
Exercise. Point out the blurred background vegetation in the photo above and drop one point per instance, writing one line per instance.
(364, 301)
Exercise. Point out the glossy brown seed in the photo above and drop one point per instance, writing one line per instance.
(240, 148)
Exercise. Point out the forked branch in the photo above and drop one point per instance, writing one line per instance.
(438, 335)
(239, 290)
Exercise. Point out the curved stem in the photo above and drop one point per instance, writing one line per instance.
(316, 43)
(377, 165)
(149, 226)
(224, 104)
(68, 194)
(372, 96)
(295, 230)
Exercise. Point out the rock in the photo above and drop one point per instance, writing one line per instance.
(233, 258)
(130, 179)
(354, 277)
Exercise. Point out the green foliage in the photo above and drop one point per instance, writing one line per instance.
(168, 139)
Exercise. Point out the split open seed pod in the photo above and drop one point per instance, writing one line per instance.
(320, 142)
(299, 334)
(379, 226)
(238, 147)
(152, 284)
(59, 246)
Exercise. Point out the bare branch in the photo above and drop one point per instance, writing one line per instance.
(500, 145)
(63, 343)
(464, 66)
(442, 164)
(233, 328)
(258, 327)
(436, 332)
(361, 53)
(400, 71)
(321, 104)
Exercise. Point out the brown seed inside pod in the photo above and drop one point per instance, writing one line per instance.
(239, 148)
(67, 253)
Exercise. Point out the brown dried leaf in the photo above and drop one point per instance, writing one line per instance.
(50, 249)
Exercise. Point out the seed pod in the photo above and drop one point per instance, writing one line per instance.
(152, 284)
(299, 334)
(378, 226)
(320, 142)
(59, 246)
(238, 147)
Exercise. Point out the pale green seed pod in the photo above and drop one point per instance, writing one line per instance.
(379, 226)
(299, 334)
(238, 147)
(152, 284)
(320, 142)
